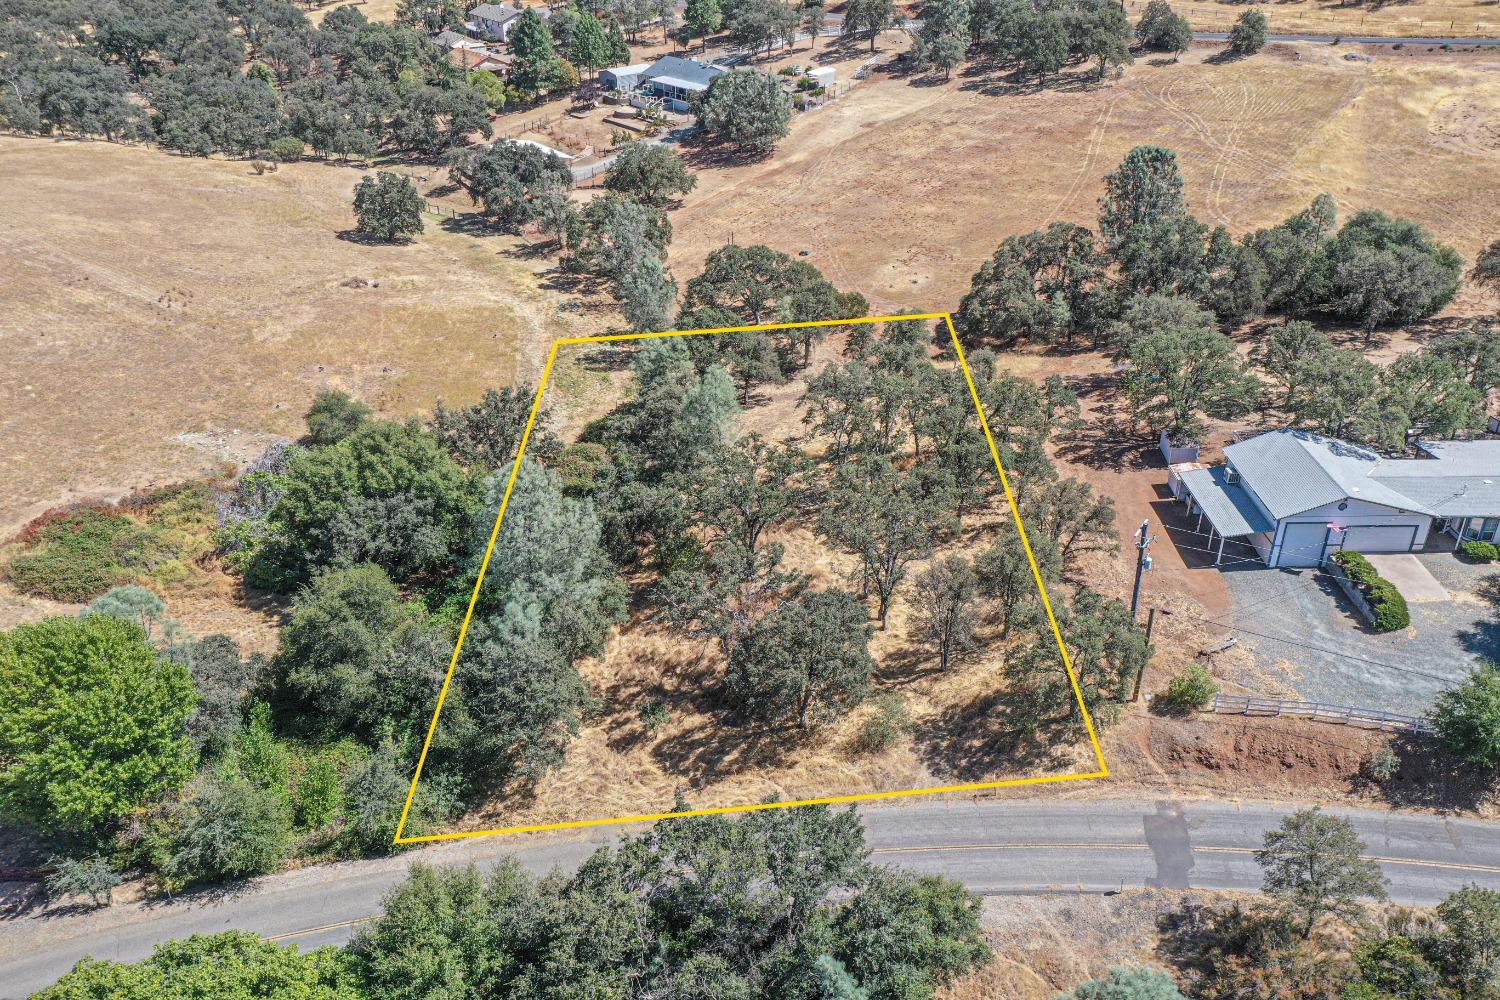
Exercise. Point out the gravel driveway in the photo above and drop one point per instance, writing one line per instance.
(1303, 620)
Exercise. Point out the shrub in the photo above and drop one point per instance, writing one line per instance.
(77, 556)
(886, 725)
(333, 416)
(1384, 763)
(287, 149)
(228, 829)
(1248, 36)
(1391, 614)
(91, 877)
(1191, 690)
(1389, 607)
(654, 714)
(1479, 551)
(1467, 718)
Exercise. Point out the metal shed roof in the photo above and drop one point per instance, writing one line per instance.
(1229, 508)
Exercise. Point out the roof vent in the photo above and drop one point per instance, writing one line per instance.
(1230, 474)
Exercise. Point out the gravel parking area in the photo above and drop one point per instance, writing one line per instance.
(1299, 621)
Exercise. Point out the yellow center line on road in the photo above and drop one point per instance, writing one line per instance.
(1106, 846)
(316, 930)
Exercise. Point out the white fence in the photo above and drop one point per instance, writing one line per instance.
(1344, 715)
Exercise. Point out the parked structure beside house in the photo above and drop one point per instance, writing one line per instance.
(623, 78)
(1296, 497)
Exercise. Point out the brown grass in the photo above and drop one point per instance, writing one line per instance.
(1408, 18)
(900, 191)
(185, 310)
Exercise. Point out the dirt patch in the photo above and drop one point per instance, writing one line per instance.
(1285, 759)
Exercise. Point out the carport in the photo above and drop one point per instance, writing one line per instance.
(1217, 496)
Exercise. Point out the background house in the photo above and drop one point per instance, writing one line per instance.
(495, 20)
(1297, 497)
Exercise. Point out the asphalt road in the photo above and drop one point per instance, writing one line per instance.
(994, 847)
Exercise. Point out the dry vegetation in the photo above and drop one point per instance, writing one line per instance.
(617, 767)
(162, 314)
(1402, 18)
(900, 191)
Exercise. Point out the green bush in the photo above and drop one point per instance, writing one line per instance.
(1191, 690)
(1391, 613)
(287, 149)
(76, 557)
(1479, 551)
(890, 721)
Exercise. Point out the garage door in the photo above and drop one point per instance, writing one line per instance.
(1302, 544)
(1380, 538)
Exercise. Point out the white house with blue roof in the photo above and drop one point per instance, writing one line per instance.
(1297, 497)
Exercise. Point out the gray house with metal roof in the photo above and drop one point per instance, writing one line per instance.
(1297, 497)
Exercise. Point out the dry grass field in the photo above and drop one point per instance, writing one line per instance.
(161, 314)
(1404, 18)
(902, 190)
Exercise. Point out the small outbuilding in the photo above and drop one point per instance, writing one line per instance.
(623, 78)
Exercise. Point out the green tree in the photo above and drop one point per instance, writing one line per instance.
(1468, 947)
(487, 434)
(748, 112)
(873, 16)
(510, 179)
(387, 493)
(1043, 286)
(1389, 271)
(537, 68)
(430, 16)
(333, 416)
(1099, 30)
(1346, 383)
(702, 18)
(590, 48)
(335, 648)
(750, 487)
(91, 722)
(1006, 578)
(388, 206)
(1467, 717)
(807, 661)
(876, 512)
(1163, 29)
(1072, 515)
(810, 20)
(946, 607)
(92, 877)
(1312, 864)
(1286, 355)
(1146, 189)
(233, 965)
(650, 173)
(1127, 983)
(906, 935)
(619, 51)
(1248, 36)
(1177, 376)
(1042, 45)
(229, 828)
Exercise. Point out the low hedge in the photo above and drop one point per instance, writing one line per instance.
(1479, 551)
(1391, 612)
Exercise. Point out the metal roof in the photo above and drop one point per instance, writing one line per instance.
(1230, 509)
(690, 74)
(1292, 471)
(495, 11)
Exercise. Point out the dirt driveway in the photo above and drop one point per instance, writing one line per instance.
(1296, 622)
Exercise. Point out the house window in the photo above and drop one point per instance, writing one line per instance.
(1489, 528)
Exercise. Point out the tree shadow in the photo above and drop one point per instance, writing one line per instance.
(703, 155)
(470, 224)
(995, 732)
(368, 239)
(1428, 778)
(1110, 446)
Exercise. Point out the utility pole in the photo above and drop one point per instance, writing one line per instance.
(1142, 563)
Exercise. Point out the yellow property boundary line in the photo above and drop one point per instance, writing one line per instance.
(1101, 772)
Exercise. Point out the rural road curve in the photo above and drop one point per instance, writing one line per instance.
(993, 847)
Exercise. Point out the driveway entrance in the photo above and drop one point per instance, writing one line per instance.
(1411, 579)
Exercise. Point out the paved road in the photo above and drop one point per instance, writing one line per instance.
(992, 847)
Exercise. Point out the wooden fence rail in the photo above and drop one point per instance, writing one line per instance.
(1344, 715)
